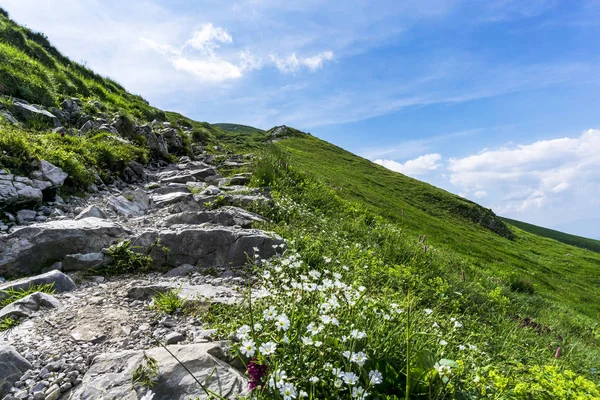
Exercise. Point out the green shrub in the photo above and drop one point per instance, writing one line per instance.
(126, 261)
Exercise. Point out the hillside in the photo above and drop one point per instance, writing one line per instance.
(149, 255)
(568, 275)
(573, 240)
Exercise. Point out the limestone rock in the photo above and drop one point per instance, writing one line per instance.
(62, 283)
(28, 112)
(12, 366)
(209, 245)
(84, 262)
(29, 305)
(91, 212)
(28, 249)
(110, 375)
(225, 216)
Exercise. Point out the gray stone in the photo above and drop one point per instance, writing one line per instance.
(130, 203)
(29, 305)
(208, 245)
(211, 191)
(164, 200)
(174, 338)
(28, 249)
(109, 376)
(241, 179)
(172, 188)
(225, 216)
(91, 212)
(84, 262)
(25, 216)
(182, 270)
(16, 190)
(62, 283)
(53, 174)
(28, 112)
(88, 126)
(5, 115)
(12, 367)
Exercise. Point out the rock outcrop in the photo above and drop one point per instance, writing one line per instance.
(110, 375)
(30, 249)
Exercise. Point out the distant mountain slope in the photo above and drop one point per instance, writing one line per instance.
(573, 240)
(238, 128)
(566, 274)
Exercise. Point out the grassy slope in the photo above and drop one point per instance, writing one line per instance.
(573, 240)
(34, 70)
(567, 275)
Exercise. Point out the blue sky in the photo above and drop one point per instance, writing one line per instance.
(498, 101)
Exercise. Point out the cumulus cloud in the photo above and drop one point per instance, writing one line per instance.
(419, 166)
(292, 63)
(206, 38)
(527, 177)
(197, 55)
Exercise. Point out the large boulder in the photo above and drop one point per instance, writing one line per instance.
(12, 367)
(30, 249)
(61, 282)
(209, 245)
(110, 375)
(225, 216)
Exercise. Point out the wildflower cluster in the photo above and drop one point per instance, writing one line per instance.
(309, 337)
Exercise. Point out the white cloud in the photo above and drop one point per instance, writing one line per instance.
(292, 63)
(315, 62)
(205, 39)
(212, 70)
(248, 61)
(419, 166)
(525, 178)
(205, 65)
(480, 194)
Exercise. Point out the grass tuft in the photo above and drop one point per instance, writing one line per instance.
(168, 302)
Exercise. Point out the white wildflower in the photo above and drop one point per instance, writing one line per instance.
(375, 377)
(248, 348)
(267, 348)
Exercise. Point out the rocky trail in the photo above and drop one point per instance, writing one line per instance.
(86, 340)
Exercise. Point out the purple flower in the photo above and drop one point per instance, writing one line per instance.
(256, 372)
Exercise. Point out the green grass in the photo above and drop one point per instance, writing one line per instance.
(573, 240)
(9, 296)
(168, 302)
(78, 156)
(566, 275)
(407, 295)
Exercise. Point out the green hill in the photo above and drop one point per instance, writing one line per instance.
(568, 275)
(573, 240)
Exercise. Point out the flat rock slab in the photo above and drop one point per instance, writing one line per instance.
(62, 283)
(110, 375)
(30, 249)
